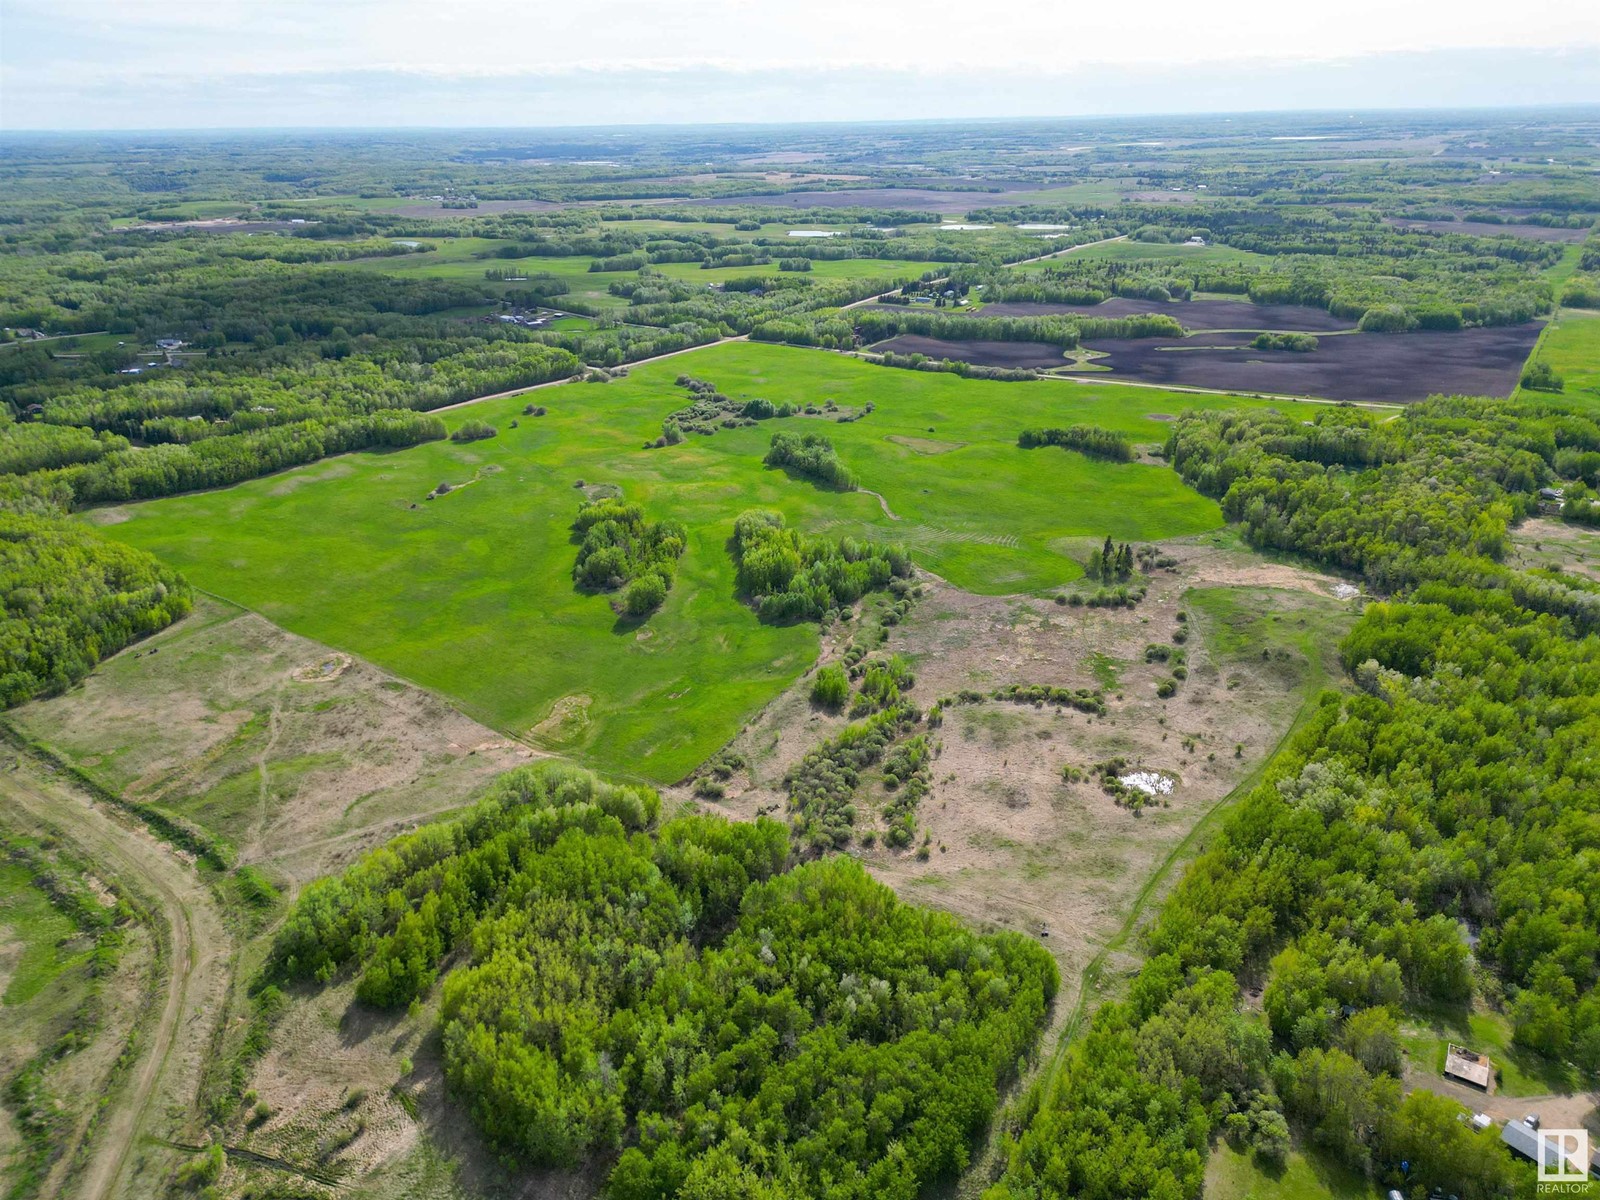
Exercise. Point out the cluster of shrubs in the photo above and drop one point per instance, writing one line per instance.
(711, 782)
(1300, 343)
(882, 682)
(822, 785)
(1542, 377)
(791, 577)
(1109, 775)
(1086, 439)
(811, 455)
(1083, 699)
(620, 549)
(907, 777)
(474, 431)
(712, 410)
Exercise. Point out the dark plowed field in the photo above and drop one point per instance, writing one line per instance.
(1195, 314)
(1534, 233)
(1037, 355)
(1361, 366)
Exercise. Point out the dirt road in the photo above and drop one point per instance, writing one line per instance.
(166, 1077)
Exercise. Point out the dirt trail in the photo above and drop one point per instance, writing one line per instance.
(173, 1049)
(1556, 1111)
(882, 503)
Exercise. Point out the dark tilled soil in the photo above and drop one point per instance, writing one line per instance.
(1037, 355)
(1534, 233)
(1195, 314)
(1399, 368)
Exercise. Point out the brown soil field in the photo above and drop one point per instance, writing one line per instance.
(1534, 233)
(1037, 355)
(1397, 368)
(1195, 314)
(299, 756)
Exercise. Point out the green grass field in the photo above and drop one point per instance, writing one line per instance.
(1520, 1072)
(42, 939)
(1306, 1176)
(1571, 344)
(471, 594)
(1210, 256)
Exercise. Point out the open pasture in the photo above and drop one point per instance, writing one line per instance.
(1571, 344)
(471, 594)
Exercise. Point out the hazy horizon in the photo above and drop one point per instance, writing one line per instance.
(94, 65)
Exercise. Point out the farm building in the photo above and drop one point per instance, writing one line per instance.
(1469, 1067)
(1523, 1139)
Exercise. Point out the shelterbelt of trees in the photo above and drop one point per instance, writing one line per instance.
(681, 994)
(1458, 790)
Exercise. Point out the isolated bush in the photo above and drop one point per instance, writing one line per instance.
(831, 688)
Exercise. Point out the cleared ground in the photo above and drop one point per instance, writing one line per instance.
(1014, 844)
(298, 755)
(471, 594)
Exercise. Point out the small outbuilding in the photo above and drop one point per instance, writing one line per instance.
(1469, 1067)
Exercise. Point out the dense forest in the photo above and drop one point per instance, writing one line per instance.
(1457, 791)
(731, 1025)
(70, 599)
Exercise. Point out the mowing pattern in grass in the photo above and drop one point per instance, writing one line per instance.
(472, 593)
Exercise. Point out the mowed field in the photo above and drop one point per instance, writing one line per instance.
(471, 594)
(1571, 344)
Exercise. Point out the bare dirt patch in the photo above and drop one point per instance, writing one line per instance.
(1552, 545)
(326, 671)
(568, 718)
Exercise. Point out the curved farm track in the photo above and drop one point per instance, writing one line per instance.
(166, 1077)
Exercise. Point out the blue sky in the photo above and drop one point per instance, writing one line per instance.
(105, 64)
